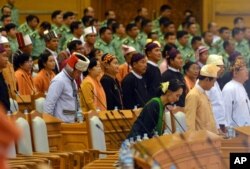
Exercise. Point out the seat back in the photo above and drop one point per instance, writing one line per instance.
(39, 104)
(40, 135)
(24, 144)
(13, 105)
(11, 151)
(180, 116)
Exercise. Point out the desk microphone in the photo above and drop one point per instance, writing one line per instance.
(26, 105)
(13, 102)
(232, 114)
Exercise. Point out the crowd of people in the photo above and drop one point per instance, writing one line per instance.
(84, 64)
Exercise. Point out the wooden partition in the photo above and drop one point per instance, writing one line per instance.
(193, 152)
(241, 143)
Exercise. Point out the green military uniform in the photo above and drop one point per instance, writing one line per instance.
(104, 47)
(219, 45)
(13, 44)
(225, 57)
(142, 38)
(66, 36)
(56, 29)
(14, 14)
(187, 53)
(25, 29)
(103, 24)
(243, 48)
(38, 45)
(117, 45)
(156, 24)
(134, 43)
(213, 49)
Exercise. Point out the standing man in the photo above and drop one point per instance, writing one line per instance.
(62, 100)
(30, 25)
(146, 28)
(183, 46)
(198, 109)
(57, 21)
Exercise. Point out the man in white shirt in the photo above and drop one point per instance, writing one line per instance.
(235, 96)
(215, 94)
(62, 101)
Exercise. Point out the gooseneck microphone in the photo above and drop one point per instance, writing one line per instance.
(13, 102)
(232, 114)
(26, 105)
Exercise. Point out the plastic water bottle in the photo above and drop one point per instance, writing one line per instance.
(135, 107)
(9, 113)
(230, 132)
(79, 117)
(145, 136)
(156, 134)
(138, 138)
(127, 161)
(166, 132)
(155, 165)
(116, 108)
(25, 111)
(173, 166)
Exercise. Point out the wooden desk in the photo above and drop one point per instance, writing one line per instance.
(105, 163)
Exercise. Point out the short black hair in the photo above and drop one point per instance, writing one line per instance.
(68, 14)
(43, 58)
(195, 39)
(29, 18)
(92, 53)
(103, 30)
(190, 24)
(45, 25)
(55, 13)
(73, 44)
(92, 63)
(222, 29)
(237, 19)
(74, 25)
(187, 66)
(169, 34)
(145, 22)
(5, 6)
(10, 26)
(151, 34)
(209, 25)
(236, 31)
(130, 26)
(167, 48)
(107, 13)
(172, 54)
(164, 8)
(164, 21)
(20, 60)
(188, 10)
(110, 22)
(4, 16)
(92, 21)
(115, 26)
(180, 34)
(86, 20)
(139, 19)
(205, 33)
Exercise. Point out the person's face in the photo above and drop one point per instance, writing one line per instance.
(239, 36)
(91, 38)
(12, 2)
(6, 11)
(155, 54)
(50, 64)
(58, 20)
(111, 15)
(133, 32)
(171, 39)
(203, 57)
(154, 37)
(7, 49)
(113, 67)
(230, 48)
(79, 49)
(3, 60)
(184, 40)
(192, 29)
(193, 71)
(95, 71)
(144, 12)
(76, 74)
(90, 12)
(79, 30)
(208, 38)
(7, 21)
(177, 62)
(226, 35)
(12, 33)
(3, 33)
(240, 24)
(34, 23)
(209, 83)
(148, 28)
(242, 74)
(171, 28)
(107, 36)
(196, 45)
(98, 55)
(214, 28)
(28, 49)
(174, 96)
(27, 65)
(141, 66)
(69, 20)
(167, 13)
(121, 30)
(53, 44)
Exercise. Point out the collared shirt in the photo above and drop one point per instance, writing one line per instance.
(38, 44)
(13, 44)
(237, 106)
(152, 63)
(173, 69)
(136, 75)
(60, 97)
(25, 29)
(117, 44)
(104, 47)
(243, 48)
(186, 52)
(134, 43)
(216, 99)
